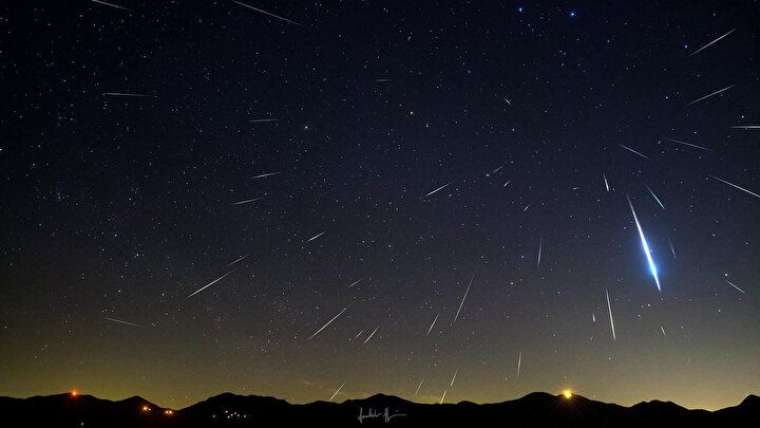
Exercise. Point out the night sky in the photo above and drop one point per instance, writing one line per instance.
(442, 186)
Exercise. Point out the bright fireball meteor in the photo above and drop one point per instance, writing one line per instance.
(645, 246)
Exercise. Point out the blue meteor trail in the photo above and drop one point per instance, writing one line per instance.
(645, 246)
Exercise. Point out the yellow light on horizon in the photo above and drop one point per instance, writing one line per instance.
(168, 412)
(567, 393)
(74, 393)
(146, 408)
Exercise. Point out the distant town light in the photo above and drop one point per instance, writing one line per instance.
(567, 393)
(74, 393)
(168, 412)
(146, 408)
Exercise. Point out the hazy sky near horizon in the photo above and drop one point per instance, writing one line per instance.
(280, 198)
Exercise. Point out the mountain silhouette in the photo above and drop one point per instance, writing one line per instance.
(533, 410)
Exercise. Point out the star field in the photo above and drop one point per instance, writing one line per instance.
(316, 199)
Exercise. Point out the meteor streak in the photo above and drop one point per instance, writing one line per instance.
(336, 391)
(684, 143)
(606, 183)
(237, 260)
(519, 363)
(609, 309)
(315, 236)
(209, 284)
(327, 324)
(736, 187)
(263, 120)
(265, 12)
(540, 250)
(637, 153)
(417, 391)
(645, 246)
(443, 397)
(746, 127)
(371, 334)
(355, 283)
(432, 325)
(707, 45)
(711, 94)
(438, 189)
(115, 6)
(451, 385)
(266, 174)
(463, 299)
(651, 192)
(735, 286)
(118, 321)
(247, 201)
(123, 94)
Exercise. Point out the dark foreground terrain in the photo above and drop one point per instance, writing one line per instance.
(533, 410)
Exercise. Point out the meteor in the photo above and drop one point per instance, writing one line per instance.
(645, 247)
(247, 201)
(265, 12)
(443, 397)
(735, 286)
(371, 334)
(336, 391)
(609, 309)
(463, 299)
(637, 153)
(684, 143)
(672, 248)
(355, 283)
(209, 284)
(237, 260)
(519, 363)
(417, 391)
(327, 324)
(711, 94)
(432, 325)
(451, 385)
(438, 189)
(651, 192)
(115, 6)
(707, 45)
(315, 236)
(736, 187)
(606, 183)
(747, 127)
(540, 250)
(118, 321)
(265, 175)
(123, 94)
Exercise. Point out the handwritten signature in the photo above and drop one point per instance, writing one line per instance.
(372, 414)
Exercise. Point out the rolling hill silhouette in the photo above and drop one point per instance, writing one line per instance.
(533, 410)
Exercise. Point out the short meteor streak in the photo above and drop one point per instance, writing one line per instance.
(265, 12)
(711, 94)
(662, 329)
(124, 94)
(609, 309)
(115, 6)
(519, 363)
(417, 391)
(265, 175)
(707, 45)
(654, 196)
(684, 143)
(672, 249)
(432, 324)
(506, 183)
(737, 187)
(327, 324)
(463, 299)
(336, 391)
(747, 127)
(236, 261)
(606, 183)
(451, 385)
(247, 201)
(371, 334)
(118, 321)
(209, 284)
(735, 286)
(315, 236)
(540, 250)
(263, 120)
(438, 189)
(443, 397)
(355, 283)
(645, 247)
(636, 152)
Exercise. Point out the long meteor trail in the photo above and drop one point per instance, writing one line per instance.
(645, 247)
(711, 94)
(707, 45)
(736, 187)
(327, 324)
(463, 299)
(209, 284)
(609, 310)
